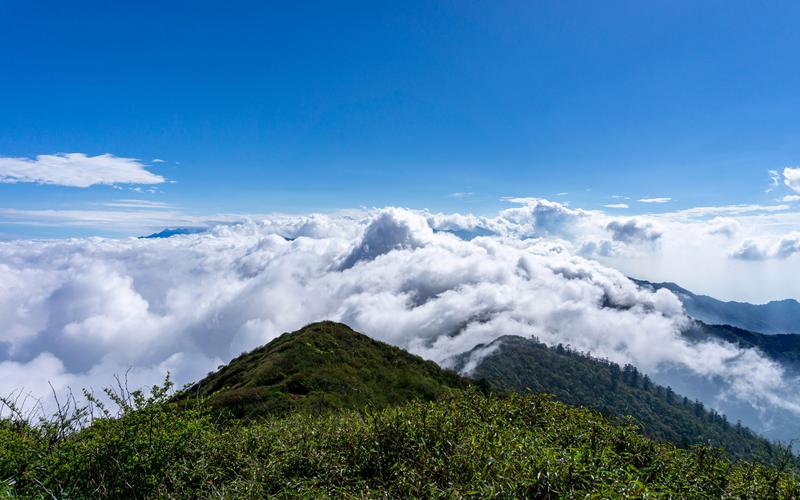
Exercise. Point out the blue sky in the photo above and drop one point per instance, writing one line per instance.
(296, 107)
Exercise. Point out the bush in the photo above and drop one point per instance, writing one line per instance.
(467, 445)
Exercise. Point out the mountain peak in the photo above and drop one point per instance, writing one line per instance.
(322, 366)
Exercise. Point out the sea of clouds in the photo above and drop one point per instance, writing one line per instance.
(77, 311)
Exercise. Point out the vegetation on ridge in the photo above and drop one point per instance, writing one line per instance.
(323, 366)
(467, 445)
(523, 364)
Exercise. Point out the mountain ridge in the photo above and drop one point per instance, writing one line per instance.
(774, 317)
(522, 364)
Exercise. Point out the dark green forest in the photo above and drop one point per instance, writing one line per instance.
(526, 365)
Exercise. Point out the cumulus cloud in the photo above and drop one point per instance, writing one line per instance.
(791, 177)
(538, 217)
(655, 200)
(76, 311)
(763, 249)
(634, 229)
(76, 170)
(723, 226)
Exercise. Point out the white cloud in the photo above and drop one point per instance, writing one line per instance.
(138, 204)
(763, 249)
(76, 311)
(774, 180)
(461, 194)
(723, 226)
(117, 221)
(700, 212)
(655, 200)
(634, 229)
(616, 205)
(791, 198)
(691, 238)
(791, 177)
(76, 170)
(157, 160)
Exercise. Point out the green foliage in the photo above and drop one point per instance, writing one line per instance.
(524, 365)
(324, 366)
(468, 445)
(347, 416)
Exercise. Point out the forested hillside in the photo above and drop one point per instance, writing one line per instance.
(526, 365)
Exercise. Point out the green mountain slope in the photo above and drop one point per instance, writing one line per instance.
(321, 367)
(522, 365)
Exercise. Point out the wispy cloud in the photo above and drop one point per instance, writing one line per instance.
(655, 200)
(135, 220)
(774, 180)
(461, 194)
(76, 170)
(616, 205)
(698, 212)
(789, 198)
(156, 160)
(138, 204)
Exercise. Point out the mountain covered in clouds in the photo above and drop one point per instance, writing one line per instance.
(77, 311)
(526, 365)
(782, 316)
(782, 348)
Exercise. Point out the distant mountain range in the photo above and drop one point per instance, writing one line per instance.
(782, 316)
(176, 231)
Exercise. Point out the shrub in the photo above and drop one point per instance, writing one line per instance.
(467, 445)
